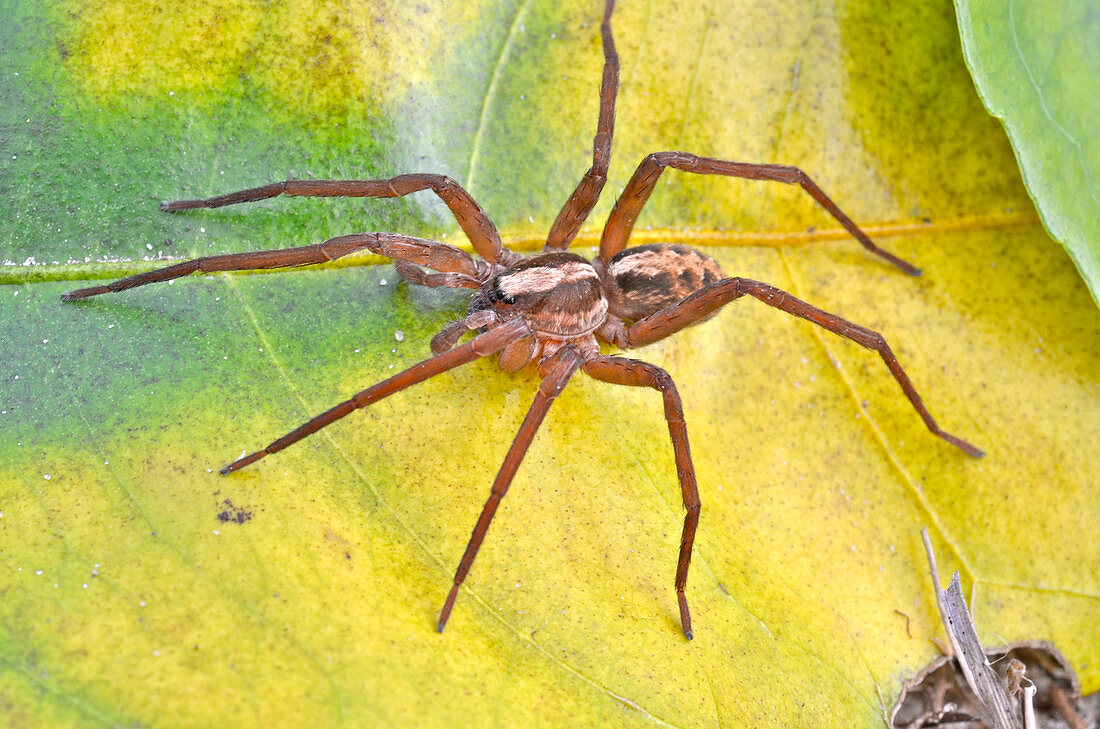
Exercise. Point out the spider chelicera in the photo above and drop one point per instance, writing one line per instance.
(554, 307)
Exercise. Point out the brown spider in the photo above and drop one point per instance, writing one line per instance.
(554, 307)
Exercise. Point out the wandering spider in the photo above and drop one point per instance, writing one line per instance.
(554, 307)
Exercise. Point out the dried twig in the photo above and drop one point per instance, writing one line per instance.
(980, 676)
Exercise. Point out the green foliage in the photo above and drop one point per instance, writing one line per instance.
(1036, 66)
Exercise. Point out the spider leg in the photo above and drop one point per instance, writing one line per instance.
(475, 223)
(580, 203)
(705, 301)
(557, 372)
(417, 275)
(637, 191)
(481, 346)
(419, 251)
(622, 371)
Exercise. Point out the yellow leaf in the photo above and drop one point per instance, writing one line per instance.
(142, 587)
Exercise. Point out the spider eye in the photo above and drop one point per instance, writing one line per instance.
(498, 297)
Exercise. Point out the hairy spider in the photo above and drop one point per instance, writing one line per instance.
(553, 307)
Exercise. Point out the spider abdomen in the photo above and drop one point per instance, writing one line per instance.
(645, 279)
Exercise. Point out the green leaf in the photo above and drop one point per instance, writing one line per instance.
(1036, 66)
(137, 586)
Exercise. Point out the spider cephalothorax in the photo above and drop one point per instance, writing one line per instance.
(559, 294)
(552, 308)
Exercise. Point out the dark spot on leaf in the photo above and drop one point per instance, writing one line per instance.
(233, 513)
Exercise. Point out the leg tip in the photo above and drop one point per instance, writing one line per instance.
(242, 462)
(445, 613)
(230, 467)
(81, 294)
(907, 267)
(962, 445)
(171, 206)
(900, 263)
(685, 615)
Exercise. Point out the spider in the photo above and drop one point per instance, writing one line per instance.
(552, 308)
